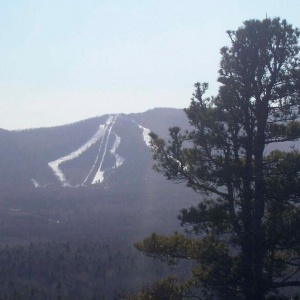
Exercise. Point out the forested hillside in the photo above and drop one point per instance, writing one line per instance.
(75, 240)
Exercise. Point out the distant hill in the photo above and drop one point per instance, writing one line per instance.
(97, 151)
(102, 165)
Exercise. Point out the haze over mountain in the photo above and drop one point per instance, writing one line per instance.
(101, 165)
(98, 151)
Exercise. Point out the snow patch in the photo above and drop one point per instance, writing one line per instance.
(54, 165)
(119, 159)
(99, 177)
(146, 131)
(35, 183)
(147, 138)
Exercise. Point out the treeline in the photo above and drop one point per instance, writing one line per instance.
(73, 270)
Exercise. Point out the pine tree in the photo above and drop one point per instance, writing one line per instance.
(244, 234)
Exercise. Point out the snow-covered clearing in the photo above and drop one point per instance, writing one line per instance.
(54, 165)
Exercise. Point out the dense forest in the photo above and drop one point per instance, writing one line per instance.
(78, 243)
(83, 269)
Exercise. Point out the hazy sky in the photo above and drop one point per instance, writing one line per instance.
(66, 60)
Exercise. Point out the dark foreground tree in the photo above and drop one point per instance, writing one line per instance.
(247, 237)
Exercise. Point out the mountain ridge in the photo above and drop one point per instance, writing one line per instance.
(83, 152)
(107, 190)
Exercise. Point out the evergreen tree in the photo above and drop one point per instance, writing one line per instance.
(246, 238)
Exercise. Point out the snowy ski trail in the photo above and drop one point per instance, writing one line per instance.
(54, 165)
(100, 147)
(146, 137)
(119, 158)
(99, 176)
(146, 131)
(103, 133)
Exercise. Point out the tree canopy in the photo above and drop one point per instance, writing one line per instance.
(243, 235)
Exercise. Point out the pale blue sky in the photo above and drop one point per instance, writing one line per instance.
(66, 60)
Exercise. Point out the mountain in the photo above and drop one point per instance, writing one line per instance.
(98, 169)
(96, 151)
